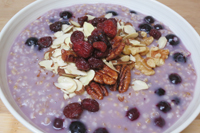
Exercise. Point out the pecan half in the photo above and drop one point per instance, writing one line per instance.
(68, 55)
(117, 48)
(106, 76)
(96, 91)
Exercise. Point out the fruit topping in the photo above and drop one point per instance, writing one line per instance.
(160, 92)
(77, 127)
(77, 36)
(45, 42)
(133, 114)
(31, 41)
(83, 19)
(92, 39)
(83, 49)
(158, 27)
(57, 26)
(176, 100)
(73, 111)
(101, 130)
(58, 124)
(66, 22)
(66, 14)
(174, 78)
(110, 28)
(134, 12)
(149, 19)
(159, 121)
(155, 34)
(179, 57)
(172, 39)
(96, 21)
(100, 46)
(99, 54)
(164, 106)
(90, 105)
(145, 27)
(95, 63)
(113, 13)
(82, 64)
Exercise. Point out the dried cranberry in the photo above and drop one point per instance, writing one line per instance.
(77, 127)
(159, 121)
(96, 21)
(83, 49)
(58, 124)
(90, 105)
(164, 106)
(95, 63)
(82, 64)
(100, 46)
(93, 38)
(73, 111)
(99, 54)
(174, 78)
(133, 114)
(155, 34)
(57, 26)
(77, 36)
(96, 32)
(100, 26)
(149, 19)
(66, 14)
(83, 19)
(114, 21)
(101, 130)
(110, 28)
(45, 42)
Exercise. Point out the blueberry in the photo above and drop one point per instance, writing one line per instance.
(164, 106)
(66, 22)
(57, 26)
(113, 13)
(176, 100)
(149, 19)
(159, 121)
(174, 78)
(179, 57)
(101, 130)
(66, 14)
(58, 124)
(77, 127)
(145, 27)
(160, 92)
(133, 114)
(134, 12)
(173, 39)
(158, 27)
(31, 41)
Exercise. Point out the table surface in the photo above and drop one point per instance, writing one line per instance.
(189, 9)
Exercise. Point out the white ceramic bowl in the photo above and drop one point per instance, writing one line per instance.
(149, 7)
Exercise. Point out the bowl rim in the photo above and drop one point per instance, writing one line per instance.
(32, 128)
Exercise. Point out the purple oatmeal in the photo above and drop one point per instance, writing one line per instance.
(55, 64)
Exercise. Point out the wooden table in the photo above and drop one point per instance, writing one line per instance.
(189, 9)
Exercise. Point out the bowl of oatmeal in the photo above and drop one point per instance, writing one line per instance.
(100, 66)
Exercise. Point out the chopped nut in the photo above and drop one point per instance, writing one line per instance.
(127, 50)
(137, 50)
(125, 58)
(162, 42)
(139, 85)
(146, 40)
(129, 29)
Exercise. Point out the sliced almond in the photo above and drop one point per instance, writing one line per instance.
(80, 88)
(72, 95)
(47, 56)
(66, 96)
(88, 28)
(110, 64)
(72, 69)
(132, 58)
(75, 23)
(64, 86)
(131, 36)
(125, 58)
(77, 29)
(56, 52)
(64, 27)
(90, 17)
(65, 46)
(136, 43)
(129, 29)
(108, 15)
(89, 77)
(139, 85)
(162, 41)
(119, 62)
(60, 40)
(47, 64)
(59, 60)
(58, 34)
(68, 29)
